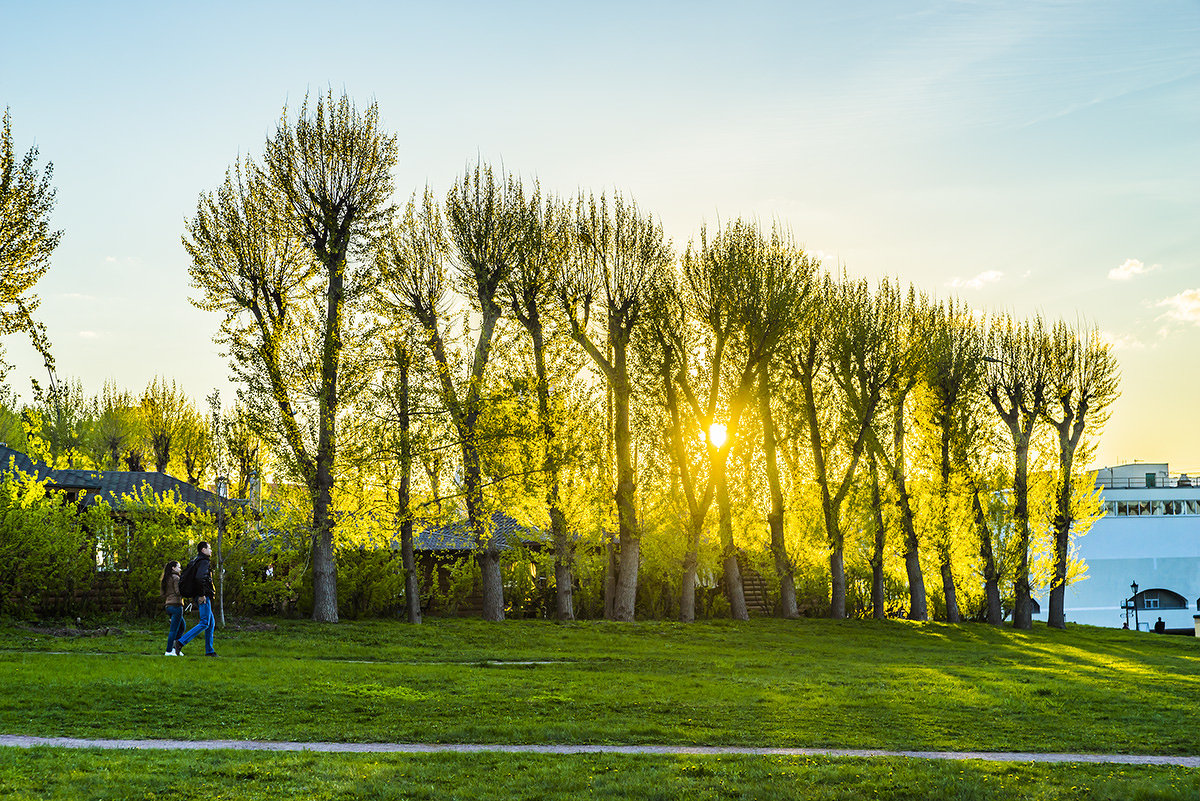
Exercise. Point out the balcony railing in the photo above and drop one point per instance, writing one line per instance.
(1183, 480)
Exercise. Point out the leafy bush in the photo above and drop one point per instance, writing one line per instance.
(370, 581)
(142, 537)
(453, 584)
(44, 550)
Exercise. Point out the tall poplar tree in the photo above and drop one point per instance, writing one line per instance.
(545, 244)
(953, 372)
(909, 332)
(620, 252)
(279, 249)
(844, 358)
(482, 230)
(1083, 382)
(1017, 385)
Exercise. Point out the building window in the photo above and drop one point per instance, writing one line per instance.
(1150, 600)
(112, 550)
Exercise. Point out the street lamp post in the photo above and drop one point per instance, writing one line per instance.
(1133, 602)
(222, 494)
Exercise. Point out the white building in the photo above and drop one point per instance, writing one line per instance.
(1149, 536)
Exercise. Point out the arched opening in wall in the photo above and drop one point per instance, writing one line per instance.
(1159, 598)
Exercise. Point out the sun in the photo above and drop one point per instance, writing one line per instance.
(717, 434)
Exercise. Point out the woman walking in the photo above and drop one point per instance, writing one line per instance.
(174, 603)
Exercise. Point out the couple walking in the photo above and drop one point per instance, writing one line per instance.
(203, 587)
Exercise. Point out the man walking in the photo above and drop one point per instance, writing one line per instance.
(204, 596)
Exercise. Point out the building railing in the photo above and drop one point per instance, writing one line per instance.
(1183, 481)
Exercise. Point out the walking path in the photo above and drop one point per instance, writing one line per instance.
(18, 741)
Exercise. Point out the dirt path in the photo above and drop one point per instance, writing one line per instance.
(18, 741)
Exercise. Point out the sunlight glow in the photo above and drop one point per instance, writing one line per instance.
(716, 434)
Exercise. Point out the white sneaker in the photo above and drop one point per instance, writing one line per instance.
(169, 653)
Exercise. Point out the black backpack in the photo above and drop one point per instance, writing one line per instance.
(187, 579)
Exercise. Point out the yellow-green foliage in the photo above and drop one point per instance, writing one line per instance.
(44, 549)
(141, 535)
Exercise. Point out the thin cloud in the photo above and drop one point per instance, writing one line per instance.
(1129, 269)
(88, 335)
(1121, 342)
(820, 256)
(978, 282)
(1184, 307)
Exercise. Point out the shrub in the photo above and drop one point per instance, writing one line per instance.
(140, 536)
(44, 550)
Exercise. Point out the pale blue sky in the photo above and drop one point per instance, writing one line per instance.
(1012, 153)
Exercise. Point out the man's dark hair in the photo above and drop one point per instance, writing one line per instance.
(203, 544)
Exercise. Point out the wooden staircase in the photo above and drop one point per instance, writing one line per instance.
(755, 588)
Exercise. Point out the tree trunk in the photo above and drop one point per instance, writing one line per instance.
(626, 595)
(493, 584)
(412, 584)
(1023, 610)
(564, 550)
(610, 580)
(687, 590)
(1057, 616)
(734, 590)
(325, 608)
(487, 553)
(878, 609)
(324, 565)
(837, 572)
(784, 569)
(953, 615)
(412, 587)
(918, 607)
(991, 578)
(564, 591)
(837, 588)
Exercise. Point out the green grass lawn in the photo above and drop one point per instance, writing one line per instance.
(50, 773)
(766, 683)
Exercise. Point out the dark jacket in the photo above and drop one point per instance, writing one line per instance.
(204, 581)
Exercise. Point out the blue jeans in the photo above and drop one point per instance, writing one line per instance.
(207, 624)
(177, 624)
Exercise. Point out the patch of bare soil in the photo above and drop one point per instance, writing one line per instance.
(71, 631)
(248, 624)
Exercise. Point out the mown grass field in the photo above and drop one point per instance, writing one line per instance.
(807, 683)
(50, 773)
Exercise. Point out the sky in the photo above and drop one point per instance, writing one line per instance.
(1029, 158)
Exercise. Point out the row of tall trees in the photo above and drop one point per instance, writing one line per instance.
(159, 429)
(504, 348)
(554, 355)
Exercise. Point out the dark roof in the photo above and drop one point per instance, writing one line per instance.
(457, 536)
(12, 460)
(111, 486)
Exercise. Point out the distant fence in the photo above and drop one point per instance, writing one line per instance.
(1159, 481)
